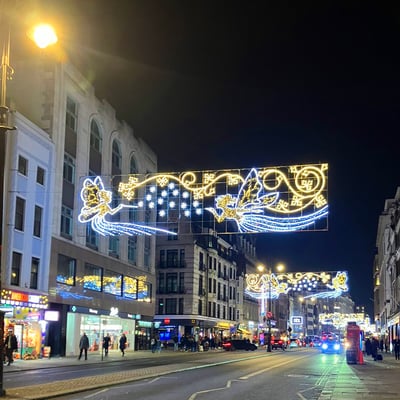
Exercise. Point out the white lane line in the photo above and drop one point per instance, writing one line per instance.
(229, 383)
(261, 371)
(95, 394)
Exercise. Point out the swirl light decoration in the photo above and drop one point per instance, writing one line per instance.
(256, 200)
(307, 284)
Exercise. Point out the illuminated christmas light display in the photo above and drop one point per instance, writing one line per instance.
(340, 321)
(308, 284)
(256, 200)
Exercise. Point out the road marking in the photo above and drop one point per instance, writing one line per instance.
(261, 371)
(229, 383)
(95, 394)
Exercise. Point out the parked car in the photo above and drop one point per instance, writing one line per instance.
(238, 344)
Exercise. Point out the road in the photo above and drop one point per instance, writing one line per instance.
(292, 375)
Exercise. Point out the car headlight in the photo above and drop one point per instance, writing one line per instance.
(336, 346)
(324, 346)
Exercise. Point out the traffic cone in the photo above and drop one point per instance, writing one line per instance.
(360, 357)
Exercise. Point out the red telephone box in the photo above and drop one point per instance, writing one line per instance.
(353, 343)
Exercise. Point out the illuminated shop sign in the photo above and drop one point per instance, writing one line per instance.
(252, 200)
(297, 320)
(22, 299)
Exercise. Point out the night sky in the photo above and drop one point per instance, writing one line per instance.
(223, 84)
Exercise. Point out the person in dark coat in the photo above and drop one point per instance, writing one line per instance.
(10, 344)
(122, 344)
(396, 348)
(374, 348)
(368, 346)
(83, 346)
(106, 344)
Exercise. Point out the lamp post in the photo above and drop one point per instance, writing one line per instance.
(269, 314)
(43, 35)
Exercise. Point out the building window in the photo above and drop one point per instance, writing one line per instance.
(182, 262)
(22, 165)
(181, 282)
(160, 306)
(130, 288)
(34, 273)
(161, 283)
(66, 270)
(19, 214)
(172, 258)
(172, 282)
(162, 259)
(16, 268)
(113, 246)
(170, 306)
(200, 308)
(116, 155)
(95, 136)
(144, 291)
(112, 282)
(69, 169)
(92, 278)
(71, 114)
(40, 174)
(132, 242)
(133, 168)
(92, 237)
(147, 250)
(173, 237)
(66, 221)
(180, 306)
(37, 223)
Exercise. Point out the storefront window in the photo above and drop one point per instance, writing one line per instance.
(112, 282)
(130, 288)
(66, 270)
(92, 277)
(96, 327)
(144, 291)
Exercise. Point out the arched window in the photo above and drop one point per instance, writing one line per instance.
(116, 155)
(133, 167)
(95, 136)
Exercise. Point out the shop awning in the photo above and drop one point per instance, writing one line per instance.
(243, 331)
(223, 325)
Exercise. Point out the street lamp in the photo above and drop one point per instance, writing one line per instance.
(268, 278)
(43, 36)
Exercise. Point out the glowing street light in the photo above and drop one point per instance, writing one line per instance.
(269, 315)
(44, 35)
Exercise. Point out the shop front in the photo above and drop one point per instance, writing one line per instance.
(24, 314)
(97, 323)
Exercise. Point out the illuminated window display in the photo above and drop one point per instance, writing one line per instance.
(284, 199)
(112, 282)
(92, 277)
(130, 288)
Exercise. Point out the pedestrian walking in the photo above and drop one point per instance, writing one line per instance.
(83, 346)
(153, 344)
(122, 344)
(11, 344)
(106, 344)
(396, 347)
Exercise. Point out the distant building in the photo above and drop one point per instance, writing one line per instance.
(387, 269)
